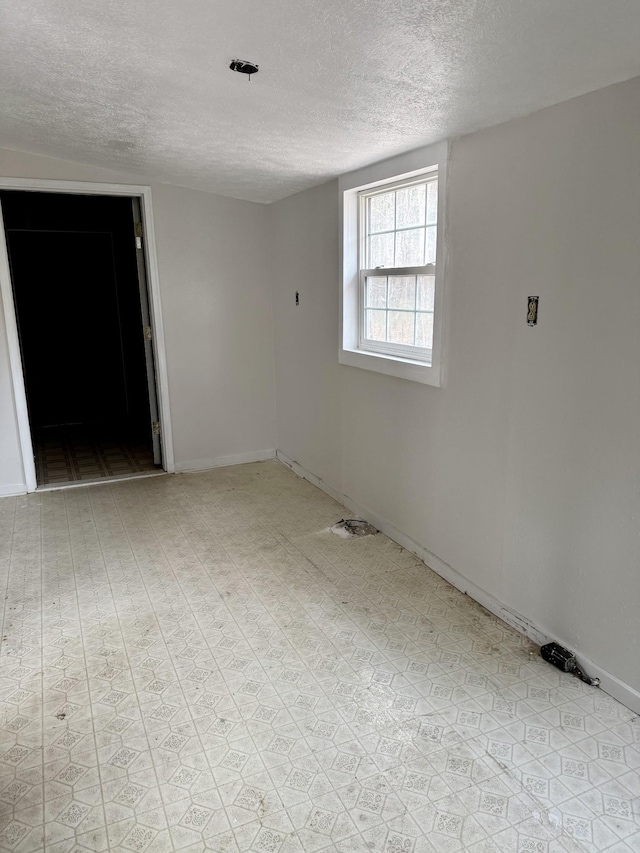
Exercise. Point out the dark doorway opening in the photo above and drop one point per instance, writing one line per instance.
(78, 277)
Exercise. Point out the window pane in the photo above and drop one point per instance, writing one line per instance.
(376, 325)
(401, 327)
(381, 213)
(376, 289)
(410, 248)
(381, 250)
(424, 330)
(426, 292)
(432, 203)
(410, 207)
(431, 245)
(402, 291)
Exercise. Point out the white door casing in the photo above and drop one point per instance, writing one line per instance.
(143, 194)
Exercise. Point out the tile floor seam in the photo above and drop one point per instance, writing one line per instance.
(134, 683)
(11, 540)
(42, 676)
(93, 727)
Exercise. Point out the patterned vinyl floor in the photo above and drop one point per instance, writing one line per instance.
(72, 454)
(195, 662)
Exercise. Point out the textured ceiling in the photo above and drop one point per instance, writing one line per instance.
(144, 85)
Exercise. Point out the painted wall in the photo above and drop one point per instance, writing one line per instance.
(523, 471)
(216, 303)
(304, 246)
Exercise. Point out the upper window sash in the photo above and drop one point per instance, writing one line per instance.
(364, 232)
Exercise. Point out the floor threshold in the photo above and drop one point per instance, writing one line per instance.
(74, 484)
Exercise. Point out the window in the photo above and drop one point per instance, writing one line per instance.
(392, 287)
(398, 268)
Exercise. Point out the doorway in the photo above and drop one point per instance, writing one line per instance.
(85, 334)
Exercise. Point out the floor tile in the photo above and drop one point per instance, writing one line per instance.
(197, 663)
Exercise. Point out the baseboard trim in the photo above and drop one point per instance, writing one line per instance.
(11, 491)
(609, 683)
(224, 461)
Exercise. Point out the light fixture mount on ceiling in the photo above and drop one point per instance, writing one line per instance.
(244, 67)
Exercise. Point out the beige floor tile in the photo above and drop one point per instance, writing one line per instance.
(197, 663)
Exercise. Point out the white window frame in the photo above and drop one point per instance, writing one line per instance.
(400, 362)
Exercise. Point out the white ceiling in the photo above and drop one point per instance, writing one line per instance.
(144, 85)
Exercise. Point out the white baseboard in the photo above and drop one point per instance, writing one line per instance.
(609, 683)
(9, 491)
(223, 461)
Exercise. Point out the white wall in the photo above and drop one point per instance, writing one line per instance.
(216, 302)
(523, 471)
(216, 299)
(304, 244)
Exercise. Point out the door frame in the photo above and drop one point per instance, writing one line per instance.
(153, 287)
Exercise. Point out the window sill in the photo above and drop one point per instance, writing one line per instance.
(403, 368)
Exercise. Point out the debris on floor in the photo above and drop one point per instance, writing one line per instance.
(566, 661)
(350, 527)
